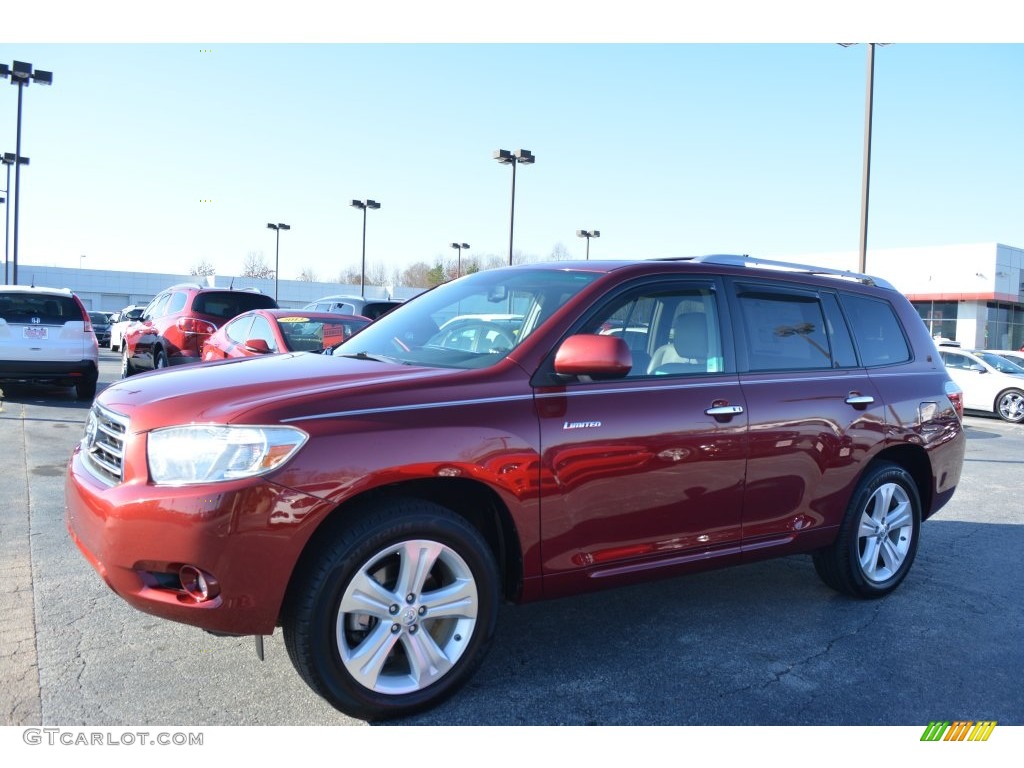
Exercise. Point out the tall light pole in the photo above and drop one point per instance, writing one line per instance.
(80, 260)
(8, 160)
(866, 173)
(587, 234)
(520, 156)
(460, 246)
(277, 253)
(21, 75)
(364, 205)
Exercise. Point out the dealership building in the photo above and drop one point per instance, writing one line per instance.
(973, 294)
(110, 291)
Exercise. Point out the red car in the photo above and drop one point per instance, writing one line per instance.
(637, 420)
(264, 331)
(174, 326)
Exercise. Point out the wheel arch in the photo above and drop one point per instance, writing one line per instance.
(914, 459)
(471, 500)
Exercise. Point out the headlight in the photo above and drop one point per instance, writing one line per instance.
(209, 453)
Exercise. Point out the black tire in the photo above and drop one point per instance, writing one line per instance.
(877, 540)
(127, 369)
(85, 390)
(159, 359)
(1009, 406)
(329, 631)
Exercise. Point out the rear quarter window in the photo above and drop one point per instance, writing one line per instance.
(876, 330)
(227, 304)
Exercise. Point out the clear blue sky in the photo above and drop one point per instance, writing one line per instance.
(155, 156)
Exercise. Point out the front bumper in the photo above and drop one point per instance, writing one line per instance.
(247, 535)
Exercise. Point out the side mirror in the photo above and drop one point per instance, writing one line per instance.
(259, 346)
(978, 368)
(594, 356)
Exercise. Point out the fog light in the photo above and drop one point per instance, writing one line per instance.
(196, 584)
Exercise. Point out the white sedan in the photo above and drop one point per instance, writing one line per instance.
(989, 381)
(1015, 357)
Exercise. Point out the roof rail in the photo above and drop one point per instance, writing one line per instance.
(732, 260)
(184, 285)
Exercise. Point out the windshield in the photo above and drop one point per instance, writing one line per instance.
(305, 334)
(472, 322)
(1001, 364)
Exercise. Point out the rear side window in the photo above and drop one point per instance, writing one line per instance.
(785, 331)
(38, 309)
(876, 330)
(227, 304)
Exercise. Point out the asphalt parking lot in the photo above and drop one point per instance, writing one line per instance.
(766, 644)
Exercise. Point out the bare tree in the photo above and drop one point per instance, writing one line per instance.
(349, 276)
(494, 262)
(203, 269)
(377, 275)
(416, 276)
(307, 275)
(256, 266)
(560, 252)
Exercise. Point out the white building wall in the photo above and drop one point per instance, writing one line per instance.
(111, 291)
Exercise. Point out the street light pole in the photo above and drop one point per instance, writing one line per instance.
(277, 253)
(866, 175)
(587, 234)
(866, 172)
(21, 73)
(8, 160)
(460, 246)
(80, 260)
(364, 206)
(505, 157)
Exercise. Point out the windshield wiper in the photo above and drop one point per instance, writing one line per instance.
(376, 358)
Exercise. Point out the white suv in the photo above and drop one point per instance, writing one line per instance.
(46, 336)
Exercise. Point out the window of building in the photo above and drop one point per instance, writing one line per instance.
(939, 316)
(1004, 325)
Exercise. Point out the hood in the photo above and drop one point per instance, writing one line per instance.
(266, 389)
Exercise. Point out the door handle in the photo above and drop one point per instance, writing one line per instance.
(862, 400)
(724, 410)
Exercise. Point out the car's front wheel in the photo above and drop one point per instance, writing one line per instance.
(127, 369)
(1010, 406)
(395, 612)
(878, 537)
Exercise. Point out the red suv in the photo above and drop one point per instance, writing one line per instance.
(638, 420)
(176, 323)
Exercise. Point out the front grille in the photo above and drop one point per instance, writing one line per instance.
(103, 444)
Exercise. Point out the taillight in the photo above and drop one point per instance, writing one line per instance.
(956, 398)
(194, 325)
(85, 316)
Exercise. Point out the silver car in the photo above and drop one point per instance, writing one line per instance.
(46, 336)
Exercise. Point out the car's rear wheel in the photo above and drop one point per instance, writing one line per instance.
(878, 538)
(1010, 406)
(85, 390)
(159, 359)
(395, 612)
